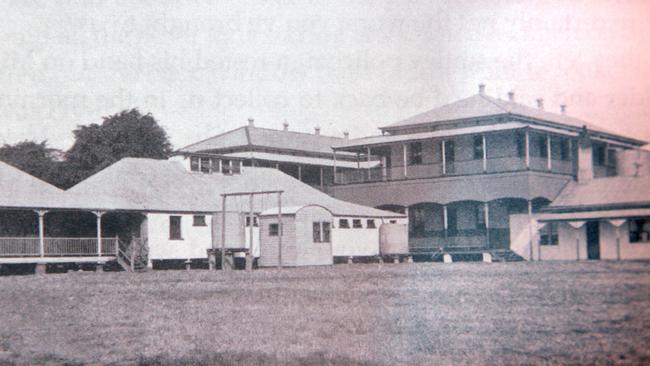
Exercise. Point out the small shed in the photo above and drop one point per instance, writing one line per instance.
(306, 234)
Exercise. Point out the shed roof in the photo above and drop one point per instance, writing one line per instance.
(19, 189)
(266, 137)
(481, 105)
(164, 185)
(603, 192)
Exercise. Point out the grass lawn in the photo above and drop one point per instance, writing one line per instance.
(363, 314)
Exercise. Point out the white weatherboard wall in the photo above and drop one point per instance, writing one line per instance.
(357, 242)
(269, 244)
(353, 242)
(628, 250)
(196, 239)
(309, 252)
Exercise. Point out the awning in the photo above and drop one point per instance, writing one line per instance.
(592, 215)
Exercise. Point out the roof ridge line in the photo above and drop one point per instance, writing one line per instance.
(209, 138)
(486, 98)
(298, 132)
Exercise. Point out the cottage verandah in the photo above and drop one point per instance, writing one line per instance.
(40, 224)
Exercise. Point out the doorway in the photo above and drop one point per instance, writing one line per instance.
(593, 240)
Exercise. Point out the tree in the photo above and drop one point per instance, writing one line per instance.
(126, 134)
(35, 158)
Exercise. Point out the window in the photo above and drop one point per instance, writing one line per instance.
(344, 224)
(198, 220)
(205, 165)
(565, 150)
(548, 234)
(274, 229)
(175, 228)
(599, 151)
(194, 163)
(316, 232)
(236, 168)
(478, 147)
(393, 221)
(225, 166)
(521, 144)
(480, 216)
(248, 221)
(357, 224)
(415, 153)
(370, 224)
(611, 157)
(326, 232)
(543, 146)
(639, 231)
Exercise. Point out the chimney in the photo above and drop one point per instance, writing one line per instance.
(540, 103)
(317, 131)
(346, 135)
(481, 88)
(251, 122)
(563, 108)
(511, 96)
(285, 126)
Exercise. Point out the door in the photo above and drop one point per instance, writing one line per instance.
(593, 240)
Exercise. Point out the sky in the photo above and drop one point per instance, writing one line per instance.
(204, 67)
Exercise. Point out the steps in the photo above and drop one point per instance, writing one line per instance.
(133, 257)
(506, 256)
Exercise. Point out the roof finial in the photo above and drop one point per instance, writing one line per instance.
(251, 122)
(511, 96)
(285, 125)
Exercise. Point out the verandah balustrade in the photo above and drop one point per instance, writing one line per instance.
(56, 247)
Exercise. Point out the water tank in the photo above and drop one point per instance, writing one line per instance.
(393, 239)
(235, 234)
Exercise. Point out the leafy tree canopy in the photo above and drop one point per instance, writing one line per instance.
(96, 146)
(35, 158)
(126, 134)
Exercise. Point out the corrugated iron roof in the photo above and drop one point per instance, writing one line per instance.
(481, 105)
(384, 139)
(163, 185)
(265, 137)
(603, 192)
(20, 189)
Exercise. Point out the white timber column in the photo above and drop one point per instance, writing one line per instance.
(99, 215)
(444, 158)
(223, 232)
(334, 156)
(484, 153)
(220, 167)
(486, 213)
(530, 229)
(277, 166)
(548, 152)
(322, 184)
(404, 148)
(368, 161)
(41, 231)
(527, 145)
(300, 173)
(445, 220)
(577, 225)
(358, 161)
(280, 230)
(617, 224)
(249, 256)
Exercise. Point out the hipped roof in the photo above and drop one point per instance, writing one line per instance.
(611, 192)
(166, 186)
(481, 105)
(268, 138)
(19, 189)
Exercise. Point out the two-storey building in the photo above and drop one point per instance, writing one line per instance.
(304, 156)
(462, 169)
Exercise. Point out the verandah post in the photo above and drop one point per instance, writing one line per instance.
(280, 230)
(41, 231)
(249, 256)
(99, 215)
(223, 232)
